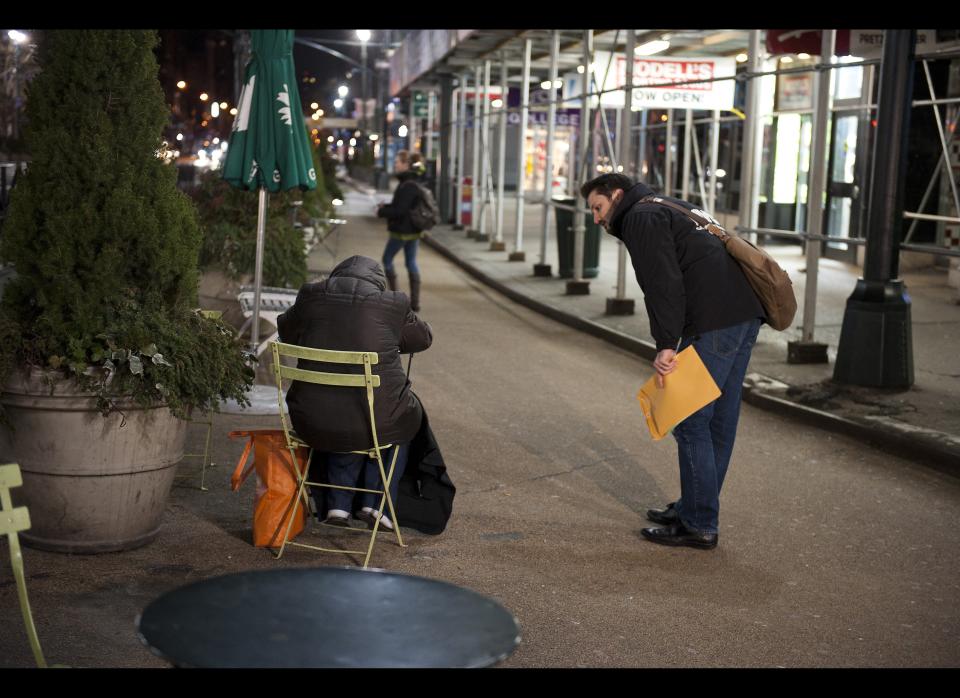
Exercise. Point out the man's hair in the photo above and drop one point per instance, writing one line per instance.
(415, 158)
(403, 156)
(606, 184)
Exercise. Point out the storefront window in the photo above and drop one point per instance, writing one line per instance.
(786, 159)
(535, 153)
(806, 146)
(847, 81)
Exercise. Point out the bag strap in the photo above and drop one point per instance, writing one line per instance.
(697, 216)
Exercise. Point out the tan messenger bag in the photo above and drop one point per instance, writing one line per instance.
(767, 278)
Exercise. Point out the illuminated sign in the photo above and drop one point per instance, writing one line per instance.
(671, 82)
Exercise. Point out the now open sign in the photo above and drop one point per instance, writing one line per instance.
(652, 78)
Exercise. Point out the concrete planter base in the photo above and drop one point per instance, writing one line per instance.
(91, 485)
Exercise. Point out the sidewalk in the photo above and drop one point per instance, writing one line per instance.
(832, 555)
(922, 423)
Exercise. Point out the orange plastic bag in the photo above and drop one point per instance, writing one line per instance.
(276, 485)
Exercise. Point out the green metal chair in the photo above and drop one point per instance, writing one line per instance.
(12, 521)
(206, 419)
(366, 381)
(206, 462)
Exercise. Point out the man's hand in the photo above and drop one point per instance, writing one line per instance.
(666, 362)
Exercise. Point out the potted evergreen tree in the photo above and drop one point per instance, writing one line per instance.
(102, 348)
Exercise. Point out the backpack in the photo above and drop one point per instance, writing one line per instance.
(767, 278)
(424, 214)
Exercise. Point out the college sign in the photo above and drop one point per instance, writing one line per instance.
(563, 117)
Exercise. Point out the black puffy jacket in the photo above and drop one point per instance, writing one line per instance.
(352, 311)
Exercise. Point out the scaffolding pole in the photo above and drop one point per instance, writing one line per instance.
(620, 304)
(543, 269)
(482, 234)
(807, 350)
(518, 254)
(461, 136)
(475, 187)
(578, 285)
(497, 245)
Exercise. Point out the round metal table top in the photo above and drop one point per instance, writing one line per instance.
(327, 617)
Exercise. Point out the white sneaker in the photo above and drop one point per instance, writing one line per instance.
(337, 517)
(369, 516)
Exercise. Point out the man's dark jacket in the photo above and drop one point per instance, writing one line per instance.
(352, 311)
(690, 283)
(405, 197)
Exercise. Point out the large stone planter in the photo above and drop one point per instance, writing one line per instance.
(91, 485)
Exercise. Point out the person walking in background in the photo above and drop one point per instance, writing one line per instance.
(409, 169)
(695, 293)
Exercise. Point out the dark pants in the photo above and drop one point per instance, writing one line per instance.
(409, 254)
(705, 438)
(357, 470)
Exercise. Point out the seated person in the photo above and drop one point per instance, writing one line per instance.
(352, 311)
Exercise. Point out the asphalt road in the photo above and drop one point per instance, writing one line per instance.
(831, 554)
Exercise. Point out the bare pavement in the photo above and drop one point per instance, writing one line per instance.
(833, 553)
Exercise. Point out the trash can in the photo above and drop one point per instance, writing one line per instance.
(381, 179)
(565, 241)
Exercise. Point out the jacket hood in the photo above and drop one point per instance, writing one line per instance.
(363, 268)
(630, 197)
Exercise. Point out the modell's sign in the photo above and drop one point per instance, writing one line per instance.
(654, 73)
(672, 82)
(680, 83)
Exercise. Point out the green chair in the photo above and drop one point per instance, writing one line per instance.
(206, 419)
(206, 463)
(12, 521)
(366, 381)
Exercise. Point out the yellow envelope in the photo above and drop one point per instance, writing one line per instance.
(685, 391)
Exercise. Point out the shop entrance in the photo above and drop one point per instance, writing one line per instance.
(845, 185)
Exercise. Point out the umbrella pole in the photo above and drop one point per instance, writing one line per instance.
(258, 270)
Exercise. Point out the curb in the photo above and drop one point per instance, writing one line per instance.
(642, 348)
(935, 449)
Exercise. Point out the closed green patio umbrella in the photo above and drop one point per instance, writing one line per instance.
(269, 149)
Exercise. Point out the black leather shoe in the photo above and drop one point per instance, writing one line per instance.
(665, 516)
(677, 534)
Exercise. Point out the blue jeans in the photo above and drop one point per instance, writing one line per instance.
(705, 438)
(409, 254)
(357, 470)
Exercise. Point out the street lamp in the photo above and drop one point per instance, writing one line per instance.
(337, 103)
(343, 90)
(364, 36)
(17, 37)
